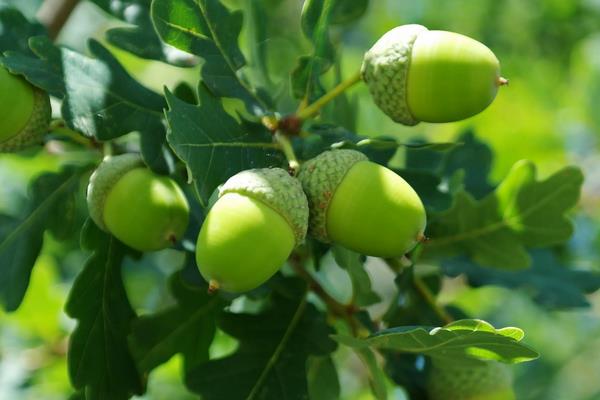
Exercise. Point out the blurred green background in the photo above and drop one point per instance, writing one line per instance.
(550, 51)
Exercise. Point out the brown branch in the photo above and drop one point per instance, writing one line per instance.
(430, 299)
(346, 312)
(397, 265)
(53, 14)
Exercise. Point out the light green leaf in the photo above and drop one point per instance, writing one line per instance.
(522, 212)
(461, 341)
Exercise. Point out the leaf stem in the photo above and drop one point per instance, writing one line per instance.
(54, 14)
(58, 127)
(288, 150)
(430, 299)
(314, 108)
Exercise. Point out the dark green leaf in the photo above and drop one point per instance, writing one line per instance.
(186, 93)
(132, 11)
(427, 185)
(459, 342)
(376, 374)
(409, 307)
(15, 31)
(257, 27)
(323, 383)
(21, 238)
(100, 98)
(408, 371)
(316, 18)
(213, 144)
(352, 262)
(186, 328)
(346, 11)
(468, 154)
(270, 362)
(99, 358)
(548, 282)
(522, 212)
(155, 150)
(141, 39)
(208, 29)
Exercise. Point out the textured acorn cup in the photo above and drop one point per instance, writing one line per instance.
(261, 215)
(27, 113)
(415, 74)
(489, 380)
(145, 211)
(361, 205)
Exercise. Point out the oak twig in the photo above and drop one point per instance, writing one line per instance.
(53, 14)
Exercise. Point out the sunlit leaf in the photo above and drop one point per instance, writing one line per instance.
(522, 212)
(461, 342)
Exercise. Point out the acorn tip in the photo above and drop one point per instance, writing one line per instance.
(421, 238)
(503, 81)
(213, 286)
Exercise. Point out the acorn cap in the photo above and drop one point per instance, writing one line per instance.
(385, 71)
(320, 178)
(35, 128)
(104, 178)
(278, 190)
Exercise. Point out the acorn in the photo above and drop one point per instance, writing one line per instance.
(415, 74)
(147, 212)
(260, 216)
(361, 205)
(487, 380)
(27, 113)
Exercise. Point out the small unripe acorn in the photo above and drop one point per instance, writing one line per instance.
(261, 215)
(415, 74)
(27, 113)
(490, 380)
(145, 211)
(361, 205)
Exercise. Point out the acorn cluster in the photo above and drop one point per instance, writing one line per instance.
(262, 215)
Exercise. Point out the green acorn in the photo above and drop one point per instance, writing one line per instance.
(361, 205)
(145, 211)
(489, 380)
(415, 74)
(27, 113)
(261, 215)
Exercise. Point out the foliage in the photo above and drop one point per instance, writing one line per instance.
(135, 314)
